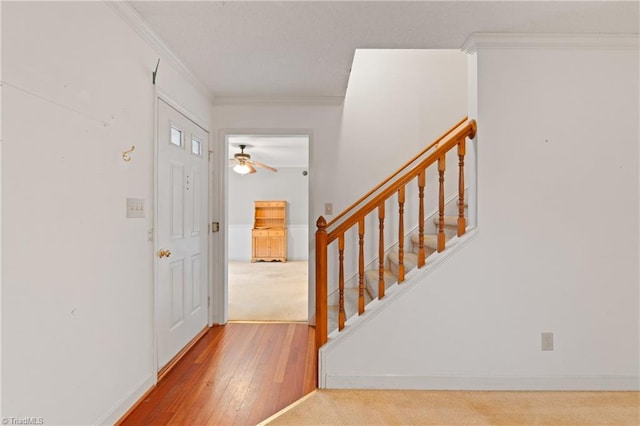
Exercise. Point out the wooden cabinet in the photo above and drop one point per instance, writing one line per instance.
(269, 233)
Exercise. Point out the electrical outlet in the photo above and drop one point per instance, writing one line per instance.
(547, 341)
(328, 208)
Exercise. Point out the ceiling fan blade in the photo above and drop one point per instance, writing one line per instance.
(251, 168)
(232, 162)
(264, 166)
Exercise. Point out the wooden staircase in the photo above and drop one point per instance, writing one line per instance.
(391, 268)
(410, 258)
(394, 265)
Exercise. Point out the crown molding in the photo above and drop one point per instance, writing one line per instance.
(549, 41)
(135, 21)
(278, 100)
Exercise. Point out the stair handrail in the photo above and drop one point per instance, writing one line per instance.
(455, 136)
(396, 173)
(445, 142)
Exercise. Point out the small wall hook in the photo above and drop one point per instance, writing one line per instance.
(125, 154)
(154, 74)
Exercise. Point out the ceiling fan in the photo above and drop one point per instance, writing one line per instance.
(243, 164)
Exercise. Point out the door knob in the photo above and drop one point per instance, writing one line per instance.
(163, 253)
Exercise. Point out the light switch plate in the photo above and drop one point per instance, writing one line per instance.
(135, 207)
(328, 209)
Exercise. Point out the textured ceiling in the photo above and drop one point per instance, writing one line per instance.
(303, 49)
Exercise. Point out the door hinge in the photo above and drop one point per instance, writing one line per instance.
(209, 301)
(214, 227)
(210, 152)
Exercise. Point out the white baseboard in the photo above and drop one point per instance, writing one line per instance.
(122, 406)
(494, 383)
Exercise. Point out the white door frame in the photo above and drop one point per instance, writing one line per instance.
(221, 284)
(159, 96)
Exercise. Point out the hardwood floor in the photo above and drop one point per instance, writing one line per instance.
(237, 374)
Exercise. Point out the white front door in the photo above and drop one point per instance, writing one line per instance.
(181, 248)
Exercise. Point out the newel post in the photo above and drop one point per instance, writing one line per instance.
(321, 283)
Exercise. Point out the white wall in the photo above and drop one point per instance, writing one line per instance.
(288, 184)
(77, 303)
(397, 103)
(556, 249)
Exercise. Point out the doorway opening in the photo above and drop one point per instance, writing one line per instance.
(267, 223)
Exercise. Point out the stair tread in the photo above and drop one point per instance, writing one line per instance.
(448, 220)
(410, 259)
(389, 277)
(351, 300)
(430, 240)
(408, 256)
(350, 306)
(371, 280)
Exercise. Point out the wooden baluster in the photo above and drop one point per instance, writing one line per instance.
(441, 236)
(421, 184)
(401, 235)
(342, 316)
(462, 222)
(381, 285)
(361, 267)
(321, 283)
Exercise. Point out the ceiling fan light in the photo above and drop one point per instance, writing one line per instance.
(241, 169)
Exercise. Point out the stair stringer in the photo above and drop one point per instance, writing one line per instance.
(376, 307)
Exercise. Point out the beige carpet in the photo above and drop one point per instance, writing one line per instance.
(384, 407)
(268, 291)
